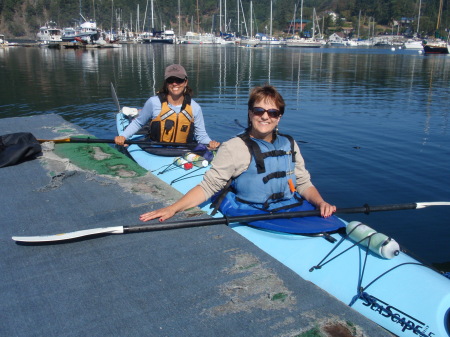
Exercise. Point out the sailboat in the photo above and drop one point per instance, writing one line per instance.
(297, 41)
(250, 40)
(192, 37)
(165, 36)
(437, 46)
(415, 43)
(270, 40)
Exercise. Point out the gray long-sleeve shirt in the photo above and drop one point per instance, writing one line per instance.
(151, 110)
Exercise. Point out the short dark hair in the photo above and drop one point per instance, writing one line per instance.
(266, 92)
(263, 93)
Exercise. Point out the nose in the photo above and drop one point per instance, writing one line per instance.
(265, 115)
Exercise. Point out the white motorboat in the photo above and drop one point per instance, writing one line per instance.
(302, 42)
(197, 38)
(49, 34)
(413, 44)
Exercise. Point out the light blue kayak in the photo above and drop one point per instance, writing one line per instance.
(400, 293)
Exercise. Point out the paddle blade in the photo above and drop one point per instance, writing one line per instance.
(69, 236)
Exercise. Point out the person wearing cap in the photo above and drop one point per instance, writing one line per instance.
(171, 116)
(258, 171)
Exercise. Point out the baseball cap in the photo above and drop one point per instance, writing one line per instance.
(175, 70)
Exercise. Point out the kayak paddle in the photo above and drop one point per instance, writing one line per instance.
(217, 221)
(111, 141)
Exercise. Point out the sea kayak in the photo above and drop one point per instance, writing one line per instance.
(362, 268)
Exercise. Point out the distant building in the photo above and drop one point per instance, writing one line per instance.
(296, 26)
(406, 21)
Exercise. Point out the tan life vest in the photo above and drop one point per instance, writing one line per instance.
(172, 127)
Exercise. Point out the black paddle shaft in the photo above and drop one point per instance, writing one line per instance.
(247, 218)
(137, 142)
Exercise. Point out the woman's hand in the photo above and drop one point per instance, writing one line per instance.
(120, 140)
(162, 214)
(326, 210)
(213, 145)
(191, 199)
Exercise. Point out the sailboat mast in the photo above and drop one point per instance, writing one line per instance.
(179, 19)
(314, 22)
(220, 16)
(245, 22)
(198, 20)
(418, 17)
(153, 24)
(226, 28)
(271, 18)
(293, 22)
(301, 17)
(112, 17)
(251, 18)
(145, 17)
(238, 19)
(359, 22)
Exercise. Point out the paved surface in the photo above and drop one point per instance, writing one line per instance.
(206, 281)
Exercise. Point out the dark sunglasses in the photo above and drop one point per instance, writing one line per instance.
(176, 80)
(273, 113)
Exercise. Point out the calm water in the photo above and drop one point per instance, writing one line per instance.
(373, 124)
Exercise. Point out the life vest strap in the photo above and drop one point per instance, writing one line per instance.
(255, 151)
(275, 153)
(220, 196)
(167, 114)
(273, 175)
(187, 115)
(291, 140)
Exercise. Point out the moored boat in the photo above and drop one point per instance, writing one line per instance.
(249, 41)
(413, 44)
(302, 42)
(166, 36)
(196, 38)
(86, 31)
(49, 34)
(364, 269)
(435, 47)
(3, 42)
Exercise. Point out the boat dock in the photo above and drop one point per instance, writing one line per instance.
(204, 281)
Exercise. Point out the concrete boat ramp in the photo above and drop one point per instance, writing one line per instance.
(205, 281)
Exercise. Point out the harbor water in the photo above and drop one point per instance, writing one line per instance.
(372, 124)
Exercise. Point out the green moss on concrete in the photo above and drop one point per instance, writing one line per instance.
(66, 130)
(314, 332)
(279, 297)
(101, 158)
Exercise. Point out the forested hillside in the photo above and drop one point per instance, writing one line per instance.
(22, 18)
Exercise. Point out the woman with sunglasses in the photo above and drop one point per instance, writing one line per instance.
(256, 172)
(171, 116)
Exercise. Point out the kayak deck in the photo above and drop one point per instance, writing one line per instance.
(401, 294)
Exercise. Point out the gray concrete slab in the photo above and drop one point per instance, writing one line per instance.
(206, 281)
